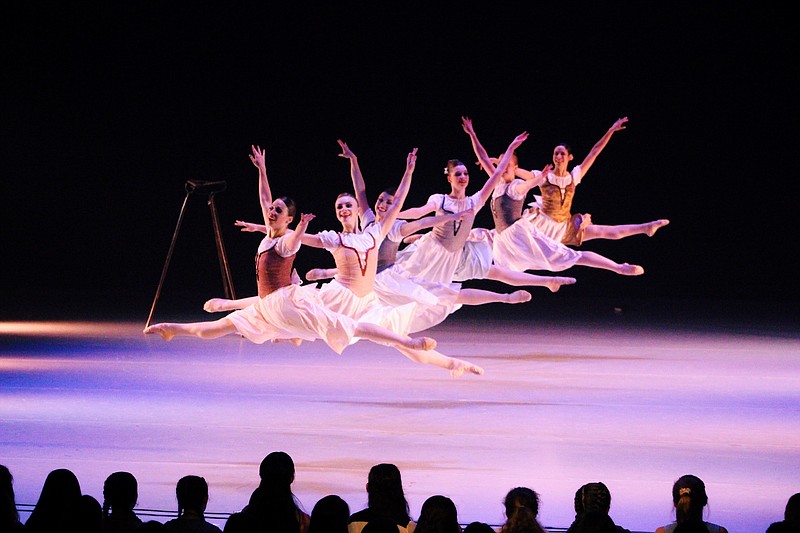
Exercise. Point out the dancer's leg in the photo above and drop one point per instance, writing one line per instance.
(432, 357)
(480, 297)
(381, 335)
(595, 260)
(597, 231)
(526, 279)
(204, 330)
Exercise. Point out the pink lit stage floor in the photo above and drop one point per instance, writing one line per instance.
(560, 404)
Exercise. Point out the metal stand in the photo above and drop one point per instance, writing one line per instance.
(209, 188)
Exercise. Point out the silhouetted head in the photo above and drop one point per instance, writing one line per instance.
(120, 492)
(192, 494)
(592, 497)
(689, 497)
(439, 514)
(385, 492)
(277, 469)
(329, 515)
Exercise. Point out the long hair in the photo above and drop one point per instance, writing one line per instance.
(522, 508)
(273, 501)
(689, 497)
(385, 493)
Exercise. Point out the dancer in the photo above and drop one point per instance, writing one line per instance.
(520, 242)
(283, 310)
(393, 285)
(351, 292)
(448, 253)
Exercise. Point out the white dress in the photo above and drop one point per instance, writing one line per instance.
(523, 246)
(351, 292)
(445, 254)
(291, 311)
(396, 287)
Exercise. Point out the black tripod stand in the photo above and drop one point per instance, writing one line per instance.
(209, 188)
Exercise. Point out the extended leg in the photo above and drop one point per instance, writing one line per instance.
(381, 335)
(595, 260)
(432, 357)
(480, 297)
(526, 279)
(597, 231)
(204, 330)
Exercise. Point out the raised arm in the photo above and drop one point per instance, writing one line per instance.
(599, 145)
(497, 175)
(401, 194)
(483, 157)
(359, 186)
(264, 192)
(293, 240)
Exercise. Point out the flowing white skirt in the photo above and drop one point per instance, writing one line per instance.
(522, 246)
(295, 311)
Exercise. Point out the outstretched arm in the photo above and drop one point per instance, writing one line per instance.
(401, 194)
(483, 157)
(251, 227)
(359, 186)
(495, 178)
(293, 240)
(599, 145)
(264, 192)
(429, 222)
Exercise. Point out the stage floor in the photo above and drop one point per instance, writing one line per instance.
(562, 402)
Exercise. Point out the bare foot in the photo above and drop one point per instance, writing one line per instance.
(458, 367)
(422, 343)
(555, 282)
(654, 226)
(630, 270)
(162, 329)
(214, 305)
(518, 297)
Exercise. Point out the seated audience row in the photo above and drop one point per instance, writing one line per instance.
(273, 507)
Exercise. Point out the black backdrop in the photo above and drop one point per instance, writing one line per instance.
(111, 107)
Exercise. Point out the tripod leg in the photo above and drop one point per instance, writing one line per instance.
(169, 257)
(227, 281)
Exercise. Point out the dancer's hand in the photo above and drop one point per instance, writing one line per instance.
(257, 157)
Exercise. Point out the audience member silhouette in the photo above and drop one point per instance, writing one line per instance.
(522, 508)
(593, 498)
(479, 527)
(9, 516)
(329, 515)
(55, 509)
(385, 499)
(151, 526)
(120, 494)
(594, 522)
(380, 525)
(272, 505)
(192, 495)
(89, 515)
(791, 517)
(438, 515)
(689, 498)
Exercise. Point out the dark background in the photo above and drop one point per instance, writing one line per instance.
(110, 107)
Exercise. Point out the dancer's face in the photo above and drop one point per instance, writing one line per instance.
(383, 203)
(278, 215)
(561, 157)
(458, 177)
(347, 211)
